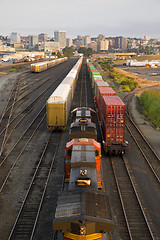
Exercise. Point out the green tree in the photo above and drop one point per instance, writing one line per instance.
(59, 55)
(86, 51)
(68, 52)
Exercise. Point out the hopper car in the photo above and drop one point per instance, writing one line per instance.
(42, 66)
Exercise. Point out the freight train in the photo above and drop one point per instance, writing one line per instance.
(59, 103)
(111, 112)
(83, 209)
(41, 66)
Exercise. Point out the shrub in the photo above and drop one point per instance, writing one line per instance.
(150, 101)
(127, 83)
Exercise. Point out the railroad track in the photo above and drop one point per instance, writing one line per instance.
(148, 152)
(24, 113)
(27, 218)
(24, 139)
(138, 225)
(27, 126)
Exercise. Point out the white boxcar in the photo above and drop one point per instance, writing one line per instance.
(72, 83)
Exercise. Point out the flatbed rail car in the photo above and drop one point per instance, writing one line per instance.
(111, 113)
(83, 211)
(59, 103)
(42, 66)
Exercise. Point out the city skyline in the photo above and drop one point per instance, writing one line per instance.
(111, 18)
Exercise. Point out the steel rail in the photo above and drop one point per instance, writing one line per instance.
(34, 100)
(13, 165)
(153, 171)
(137, 199)
(32, 183)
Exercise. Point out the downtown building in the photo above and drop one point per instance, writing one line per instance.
(120, 43)
(69, 42)
(15, 38)
(60, 36)
(33, 41)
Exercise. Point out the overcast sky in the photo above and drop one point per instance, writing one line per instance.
(128, 18)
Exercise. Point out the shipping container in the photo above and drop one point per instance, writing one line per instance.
(103, 91)
(113, 111)
(94, 77)
(99, 84)
(113, 134)
(96, 81)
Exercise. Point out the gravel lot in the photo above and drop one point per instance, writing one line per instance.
(147, 73)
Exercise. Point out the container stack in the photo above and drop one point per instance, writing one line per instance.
(111, 112)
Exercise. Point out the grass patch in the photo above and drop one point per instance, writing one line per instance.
(126, 83)
(150, 101)
(17, 68)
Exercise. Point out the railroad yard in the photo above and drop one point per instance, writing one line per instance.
(32, 161)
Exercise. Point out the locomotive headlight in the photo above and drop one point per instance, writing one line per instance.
(82, 230)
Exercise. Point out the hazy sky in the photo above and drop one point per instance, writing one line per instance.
(129, 18)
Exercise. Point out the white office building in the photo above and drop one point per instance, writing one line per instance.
(60, 36)
(15, 38)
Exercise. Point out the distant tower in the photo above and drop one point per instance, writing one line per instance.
(147, 38)
(33, 41)
(43, 37)
(15, 38)
(87, 40)
(69, 42)
(60, 36)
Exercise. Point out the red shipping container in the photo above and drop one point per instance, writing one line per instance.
(100, 84)
(113, 111)
(103, 91)
(113, 134)
(95, 81)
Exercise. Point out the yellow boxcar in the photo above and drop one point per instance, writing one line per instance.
(58, 107)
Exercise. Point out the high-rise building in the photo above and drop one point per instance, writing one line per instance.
(69, 42)
(43, 37)
(60, 36)
(101, 37)
(121, 42)
(15, 38)
(87, 40)
(147, 38)
(102, 45)
(33, 41)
